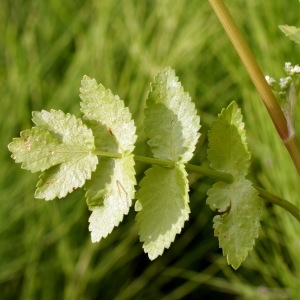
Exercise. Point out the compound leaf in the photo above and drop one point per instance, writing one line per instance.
(238, 226)
(171, 120)
(292, 32)
(163, 207)
(63, 145)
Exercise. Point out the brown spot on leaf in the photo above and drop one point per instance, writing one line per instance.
(110, 131)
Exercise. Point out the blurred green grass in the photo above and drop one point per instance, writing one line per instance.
(45, 49)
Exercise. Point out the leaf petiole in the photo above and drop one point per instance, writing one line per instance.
(210, 173)
(171, 164)
(288, 206)
(155, 161)
(108, 154)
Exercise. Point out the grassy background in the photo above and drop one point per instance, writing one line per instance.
(45, 49)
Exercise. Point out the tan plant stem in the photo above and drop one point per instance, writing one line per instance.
(258, 79)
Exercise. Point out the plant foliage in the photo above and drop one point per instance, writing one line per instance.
(111, 189)
(172, 124)
(97, 152)
(237, 225)
(62, 147)
(292, 32)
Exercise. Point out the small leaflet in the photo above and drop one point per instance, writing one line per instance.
(172, 125)
(109, 198)
(238, 225)
(100, 105)
(171, 120)
(61, 146)
(111, 189)
(228, 150)
(292, 32)
(238, 204)
(163, 203)
(35, 150)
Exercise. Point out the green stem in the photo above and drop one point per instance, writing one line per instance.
(193, 168)
(155, 161)
(291, 208)
(210, 173)
(257, 77)
(108, 154)
(171, 164)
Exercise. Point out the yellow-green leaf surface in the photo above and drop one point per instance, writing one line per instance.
(292, 32)
(100, 105)
(109, 195)
(110, 191)
(228, 151)
(171, 120)
(35, 150)
(61, 146)
(238, 202)
(163, 208)
(238, 226)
